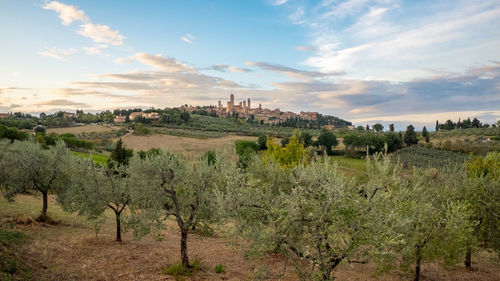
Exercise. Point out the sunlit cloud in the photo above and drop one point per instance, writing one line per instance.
(58, 54)
(67, 13)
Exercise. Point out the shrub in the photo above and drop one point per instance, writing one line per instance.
(220, 268)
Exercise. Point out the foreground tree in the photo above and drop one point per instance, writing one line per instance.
(34, 170)
(94, 188)
(167, 185)
(483, 196)
(419, 217)
(309, 212)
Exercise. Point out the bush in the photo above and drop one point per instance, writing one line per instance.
(245, 146)
(177, 269)
(220, 268)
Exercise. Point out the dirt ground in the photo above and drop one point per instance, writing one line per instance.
(71, 251)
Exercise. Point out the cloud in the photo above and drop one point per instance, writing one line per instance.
(124, 60)
(279, 2)
(63, 102)
(188, 38)
(95, 50)
(163, 63)
(389, 40)
(58, 54)
(67, 13)
(292, 72)
(97, 32)
(305, 48)
(225, 68)
(101, 34)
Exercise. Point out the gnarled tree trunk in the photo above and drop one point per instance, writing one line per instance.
(417, 263)
(118, 227)
(468, 258)
(184, 253)
(45, 199)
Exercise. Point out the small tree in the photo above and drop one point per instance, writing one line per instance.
(378, 127)
(327, 139)
(483, 196)
(425, 134)
(262, 142)
(306, 139)
(308, 212)
(95, 188)
(291, 155)
(33, 170)
(391, 127)
(120, 154)
(419, 217)
(410, 136)
(167, 185)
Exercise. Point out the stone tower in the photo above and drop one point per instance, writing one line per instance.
(248, 103)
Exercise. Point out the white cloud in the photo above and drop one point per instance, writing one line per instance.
(67, 13)
(124, 60)
(97, 32)
(188, 38)
(95, 50)
(58, 54)
(279, 2)
(371, 41)
(163, 63)
(101, 34)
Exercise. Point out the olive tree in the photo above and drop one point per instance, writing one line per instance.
(484, 198)
(310, 212)
(168, 185)
(418, 216)
(95, 188)
(34, 170)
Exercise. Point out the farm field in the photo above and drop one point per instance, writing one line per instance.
(82, 129)
(70, 250)
(193, 146)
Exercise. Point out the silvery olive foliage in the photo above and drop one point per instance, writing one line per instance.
(33, 169)
(309, 212)
(167, 185)
(417, 215)
(95, 188)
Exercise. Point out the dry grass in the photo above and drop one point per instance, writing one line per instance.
(82, 129)
(190, 146)
(71, 251)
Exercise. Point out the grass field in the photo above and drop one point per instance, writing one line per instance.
(185, 145)
(82, 129)
(70, 250)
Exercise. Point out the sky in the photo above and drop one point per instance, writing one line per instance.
(366, 61)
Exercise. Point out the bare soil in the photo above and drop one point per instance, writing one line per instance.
(70, 250)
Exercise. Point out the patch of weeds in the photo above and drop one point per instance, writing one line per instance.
(177, 270)
(220, 268)
(11, 267)
(261, 273)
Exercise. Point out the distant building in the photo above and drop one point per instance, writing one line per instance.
(120, 119)
(309, 115)
(5, 115)
(134, 115)
(67, 115)
(151, 115)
